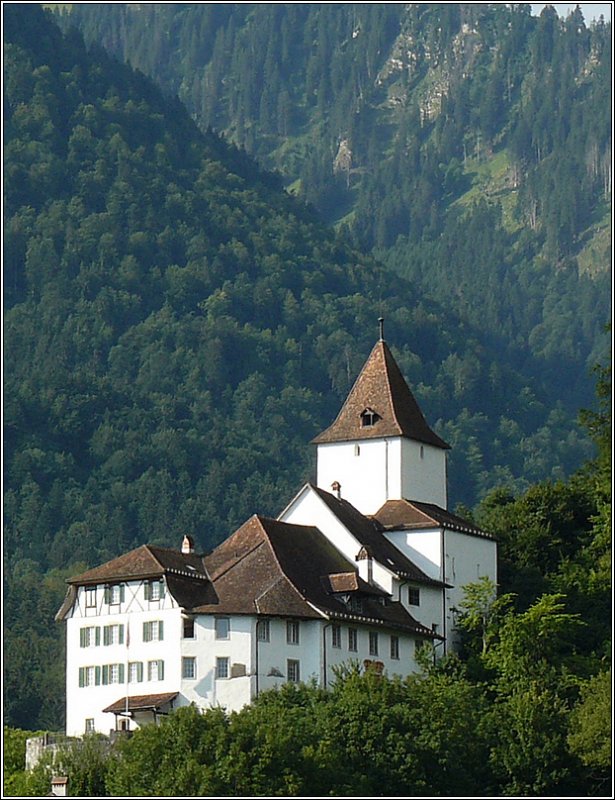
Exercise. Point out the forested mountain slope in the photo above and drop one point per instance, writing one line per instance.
(468, 143)
(177, 328)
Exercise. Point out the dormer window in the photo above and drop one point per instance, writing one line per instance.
(356, 604)
(369, 418)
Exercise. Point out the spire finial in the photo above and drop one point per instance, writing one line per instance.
(381, 324)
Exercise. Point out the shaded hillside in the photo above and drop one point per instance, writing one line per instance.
(177, 329)
(468, 143)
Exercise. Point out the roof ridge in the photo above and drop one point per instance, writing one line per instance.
(386, 349)
(283, 574)
(148, 547)
(234, 563)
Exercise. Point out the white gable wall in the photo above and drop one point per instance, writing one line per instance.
(309, 509)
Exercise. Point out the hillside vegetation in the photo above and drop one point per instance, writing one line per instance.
(177, 328)
(469, 144)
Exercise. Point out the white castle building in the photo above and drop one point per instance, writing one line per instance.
(364, 566)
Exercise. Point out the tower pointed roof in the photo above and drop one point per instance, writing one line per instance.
(380, 404)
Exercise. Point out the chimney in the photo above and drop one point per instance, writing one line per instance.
(336, 487)
(188, 544)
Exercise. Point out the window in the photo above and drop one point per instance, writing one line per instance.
(112, 673)
(414, 596)
(188, 667)
(114, 594)
(188, 629)
(153, 631)
(292, 632)
(263, 629)
(113, 634)
(89, 676)
(155, 670)
(356, 604)
(369, 418)
(434, 627)
(222, 667)
(292, 670)
(223, 627)
(422, 452)
(135, 672)
(373, 643)
(352, 639)
(154, 590)
(357, 449)
(336, 635)
(89, 725)
(90, 597)
(395, 647)
(90, 636)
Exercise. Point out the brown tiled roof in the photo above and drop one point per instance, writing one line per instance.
(277, 568)
(141, 702)
(381, 388)
(247, 577)
(147, 561)
(409, 515)
(186, 577)
(369, 532)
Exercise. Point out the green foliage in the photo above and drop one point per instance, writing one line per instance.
(485, 86)
(589, 734)
(480, 612)
(179, 757)
(177, 329)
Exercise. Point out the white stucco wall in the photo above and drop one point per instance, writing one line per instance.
(364, 470)
(423, 470)
(430, 608)
(87, 702)
(373, 471)
(423, 548)
(468, 558)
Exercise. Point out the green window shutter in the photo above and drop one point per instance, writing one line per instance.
(161, 670)
(107, 595)
(106, 635)
(81, 676)
(161, 630)
(161, 588)
(146, 636)
(82, 637)
(140, 671)
(121, 634)
(105, 674)
(121, 674)
(97, 635)
(122, 593)
(147, 590)
(97, 676)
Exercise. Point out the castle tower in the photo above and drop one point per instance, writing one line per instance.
(380, 446)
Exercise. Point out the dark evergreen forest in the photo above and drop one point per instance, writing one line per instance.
(467, 144)
(178, 327)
